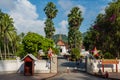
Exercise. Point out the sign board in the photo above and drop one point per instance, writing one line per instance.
(110, 61)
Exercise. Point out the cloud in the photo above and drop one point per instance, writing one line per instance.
(25, 16)
(102, 9)
(67, 5)
(7, 4)
(63, 29)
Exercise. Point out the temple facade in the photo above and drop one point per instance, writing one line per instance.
(62, 46)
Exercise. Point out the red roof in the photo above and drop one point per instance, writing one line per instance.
(60, 43)
(30, 56)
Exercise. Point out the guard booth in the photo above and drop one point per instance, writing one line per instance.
(29, 63)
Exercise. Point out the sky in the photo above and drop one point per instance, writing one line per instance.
(28, 15)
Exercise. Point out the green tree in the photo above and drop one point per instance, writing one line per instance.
(19, 50)
(74, 21)
(33, 42)
(7, 31)
(75, 53)
(51, 12)
(113, 14)
(105, 32)
(1, 14)
(49, 29)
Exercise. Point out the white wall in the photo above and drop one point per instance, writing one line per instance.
(109, 67)
(64, 50)
(17, 66)
(41, 66)
(96, 65)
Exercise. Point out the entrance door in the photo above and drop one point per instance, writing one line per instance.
(28, 68)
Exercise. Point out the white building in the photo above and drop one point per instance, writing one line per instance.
(62, 46)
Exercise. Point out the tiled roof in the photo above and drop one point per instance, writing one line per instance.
(60, 43)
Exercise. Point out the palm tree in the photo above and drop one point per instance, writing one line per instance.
(49, 29)
(51, 12)
(74, 20)
(7, 31)
(1, 14)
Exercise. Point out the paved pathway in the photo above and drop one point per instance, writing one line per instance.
(22, 77)
(114, 75)
(63, 64)
(63, 75)
(75, 76)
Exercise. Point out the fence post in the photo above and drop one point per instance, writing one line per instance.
(102, 65)
(54, 65)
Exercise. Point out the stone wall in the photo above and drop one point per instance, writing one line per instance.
(54, 62)
(89, 66)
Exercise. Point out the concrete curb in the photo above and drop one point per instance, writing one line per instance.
(102, 76)
(50, 77)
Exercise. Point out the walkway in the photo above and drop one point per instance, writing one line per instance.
(22, 77)
(79, 75)
(75, 76)
(114, 76)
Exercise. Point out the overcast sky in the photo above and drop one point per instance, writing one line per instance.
(28, 15)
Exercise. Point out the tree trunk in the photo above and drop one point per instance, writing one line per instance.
(8, 49)
(1, 53)
(15, 49)
(4, 48)
(12, 48)
(1, 46)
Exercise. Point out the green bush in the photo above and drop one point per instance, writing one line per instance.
(75, 53)
(20, 52)
(108, 55)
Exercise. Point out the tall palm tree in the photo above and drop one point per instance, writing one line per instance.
(74, 20)
(7, 29)
(51, 12)
(1, 14)
(49, 29)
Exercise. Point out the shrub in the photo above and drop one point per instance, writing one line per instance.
(75, 53)
(108, 55)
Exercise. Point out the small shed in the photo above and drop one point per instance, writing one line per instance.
(29, 63)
